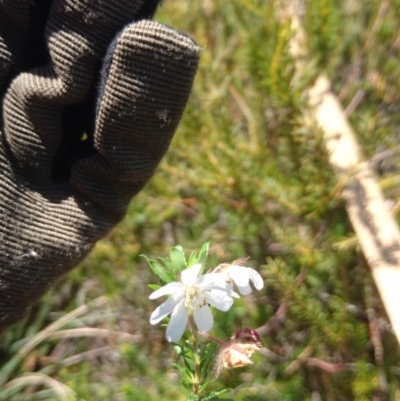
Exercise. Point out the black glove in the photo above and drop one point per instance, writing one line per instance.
(88, 111)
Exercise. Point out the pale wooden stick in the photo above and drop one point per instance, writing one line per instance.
(376, 229)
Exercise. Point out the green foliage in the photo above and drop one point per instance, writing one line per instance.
(247, 172)
(187, 370)
(170, 268)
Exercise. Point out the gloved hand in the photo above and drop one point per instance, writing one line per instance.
(90, 101)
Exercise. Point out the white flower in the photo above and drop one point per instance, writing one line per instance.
(191, 296)
(241, 276)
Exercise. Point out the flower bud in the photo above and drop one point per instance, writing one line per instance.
(238, 351)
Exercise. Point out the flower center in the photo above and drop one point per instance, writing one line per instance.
(194, 298)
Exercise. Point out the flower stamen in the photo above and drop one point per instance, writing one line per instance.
(194, 298)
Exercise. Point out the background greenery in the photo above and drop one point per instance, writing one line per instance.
(245, 173)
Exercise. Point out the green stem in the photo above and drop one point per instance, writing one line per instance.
(196, 380)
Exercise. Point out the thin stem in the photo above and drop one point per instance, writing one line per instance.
(196, 380)
(215, 340)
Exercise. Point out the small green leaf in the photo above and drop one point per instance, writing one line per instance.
(154, 287)
(204, 386)
(178, 349)
(179, 367)
(199, 257)
(188, 364)
(160, 271)
(177, 259)
(203, 253)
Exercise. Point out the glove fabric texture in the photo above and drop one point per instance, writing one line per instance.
(91, 94)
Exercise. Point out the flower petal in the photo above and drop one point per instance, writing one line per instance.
(239, 275)
(216, 281)
(218, 299)
(178, 322)
(244, 289)
(203, 318)
(226, 288)
(222, 281)
(189, 276)
(166, 308)
(256, 278)
(168, 289)
(210, 278)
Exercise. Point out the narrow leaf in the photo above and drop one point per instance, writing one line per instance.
(160, 271)
(177, 259)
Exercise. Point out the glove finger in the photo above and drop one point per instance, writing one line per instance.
(148, 75)
(78, 33)
(14, 23)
